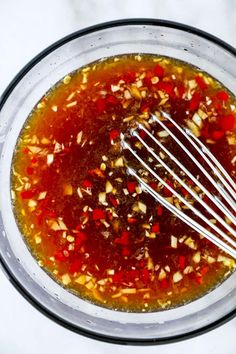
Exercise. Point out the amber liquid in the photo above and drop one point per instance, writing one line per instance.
(86, 221)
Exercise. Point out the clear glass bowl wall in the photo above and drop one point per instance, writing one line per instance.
(43, 72)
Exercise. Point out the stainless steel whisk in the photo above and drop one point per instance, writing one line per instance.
(225, 200)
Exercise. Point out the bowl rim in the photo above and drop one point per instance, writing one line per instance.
(3, 98)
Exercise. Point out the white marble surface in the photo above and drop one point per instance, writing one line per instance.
(27, 27)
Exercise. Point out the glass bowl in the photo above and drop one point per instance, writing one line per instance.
(78, 49)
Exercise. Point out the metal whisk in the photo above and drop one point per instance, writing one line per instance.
(222, 206)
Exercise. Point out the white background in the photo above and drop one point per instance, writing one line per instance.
(27, 27)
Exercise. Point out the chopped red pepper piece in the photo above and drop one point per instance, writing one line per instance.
(182, 262)
(166, 87)
(100, 105)
(131, 186)
(111, 99)
(118, 277)
(195, 101)
(125, 251)
(159, 71)
(129, 77)
(184, 191)
(25, 151)
(75, 266)
(201, 83)
(124, 239)
(29, 170)
(28, 194)
(132, 220)
(159, 210)
(114, 134)
(181, 90)
(99, 214)
(34, 160)
(50, 214)
(166, 191)
(217, 134)
(142, 134)
(153, 185)
(59, 256)
(87, 183)
(222, 96)
(114, 201)
(164, 284)
(155, 228)
(80, 238)
(204, 270)
(199, 280)
(96, 172)
(145, 275)
(227, 122)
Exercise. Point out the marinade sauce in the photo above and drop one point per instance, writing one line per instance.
(87, 222)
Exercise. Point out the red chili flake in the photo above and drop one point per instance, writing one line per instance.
(50, 213)
(159, 210)
(190, 182)
(155, 228)
(59, 256)
(147, 80)
(34, 160)
(159, 71)
(109, 216)
(87, 184)
(153, 185)
(125, 251)
(40, 218)
(227, 122)
(149, 74)
(222, 96)
(124, 239)
(99, 214)
(131, 186)
(201, 83)
(184, 191)
(142, 134)
(217, 134)
(114, 134)
(204, 270)
(182, 262)
(111, 99)
(164, 284)
(80, 238)
(129, 77)
(199, 280)
(166, 86)
(100, 105)
(27, 194)
(25, 151)
(113, 200)
(132, 220)
(166, 191)
(29, 170)
(195, 101)
(145, 275)
(118, 277)
(205, 131)
(181, 90)
(75, 266)
(96, 172)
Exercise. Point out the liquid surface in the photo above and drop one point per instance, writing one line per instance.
(89, 223)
